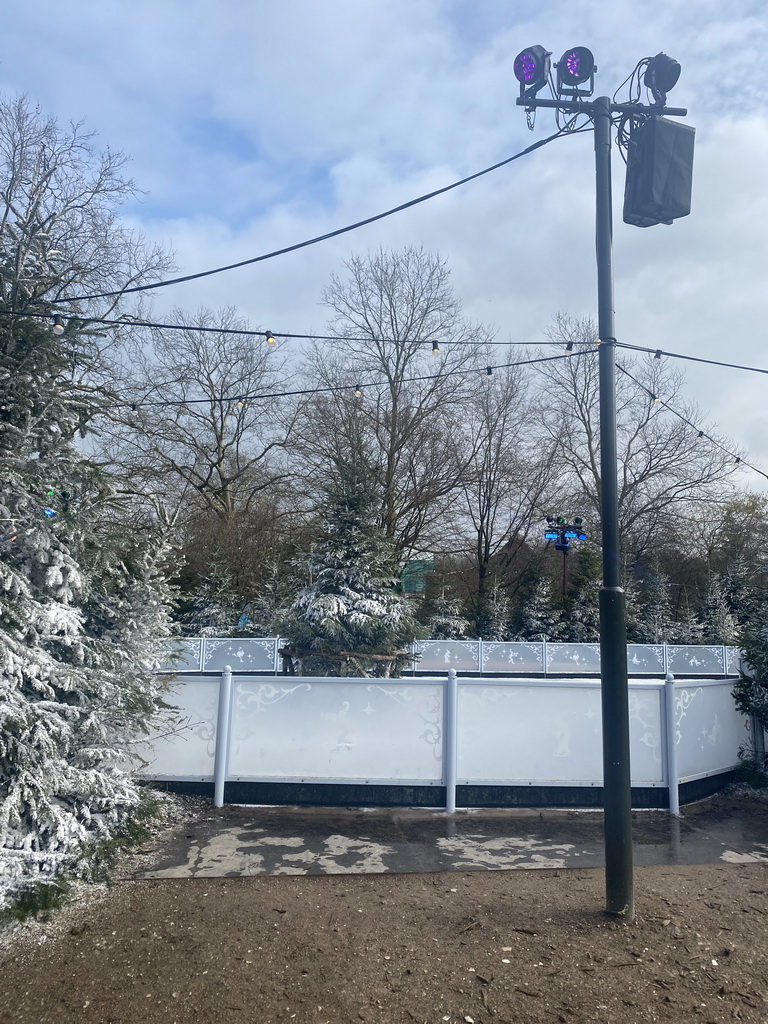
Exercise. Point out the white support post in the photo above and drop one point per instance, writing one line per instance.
(223, 729)
(671, 745)
(450, 741)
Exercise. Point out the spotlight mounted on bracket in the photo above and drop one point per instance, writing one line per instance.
(575, 67)
(531, 69)
(661, 76)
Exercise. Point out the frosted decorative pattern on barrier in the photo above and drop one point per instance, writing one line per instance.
(513, 657)
(573, 658)
(240, 655)
(528, 733)
(181, 656)
(733, 660)
(645, 659)
(708, 729)
(183, 741)
(695, 660)
(356, 730)
(440, 655)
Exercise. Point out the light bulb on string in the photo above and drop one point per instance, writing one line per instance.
(435, 349)
(489, 371)
(358, 391)
(569, 347)
(58, 325)
(270, 338)
(657, 355)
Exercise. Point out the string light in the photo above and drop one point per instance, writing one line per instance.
(58, 325)
(656, 398)
(435, 349)
(700, 435)
(358, 392)
(657, 356)
(569, 347)
(489, 371)
(246, 333)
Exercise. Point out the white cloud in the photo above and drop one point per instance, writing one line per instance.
(255, 125)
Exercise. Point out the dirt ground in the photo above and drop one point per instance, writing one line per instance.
(508, 947)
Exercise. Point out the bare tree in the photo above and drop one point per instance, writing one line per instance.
(508, 479)
(403, 349)
(59, 230)
(665, 469)
(201, 426)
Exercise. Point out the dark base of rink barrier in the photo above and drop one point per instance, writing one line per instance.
(316, 794)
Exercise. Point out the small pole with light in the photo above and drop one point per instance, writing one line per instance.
(658, 190)
(562, 533)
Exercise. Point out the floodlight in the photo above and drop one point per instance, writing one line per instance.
(531, 69)
(576, 66)
(661, 76)
(551, 535)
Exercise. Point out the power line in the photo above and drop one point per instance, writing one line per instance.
(327, 235)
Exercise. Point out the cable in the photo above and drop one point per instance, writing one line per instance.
(692, 359)
(701, 434)
(327, 235)
(195, 328)
(135, 405)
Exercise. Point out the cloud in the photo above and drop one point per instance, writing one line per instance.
(254, 126)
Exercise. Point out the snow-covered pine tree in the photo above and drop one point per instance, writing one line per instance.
(444, 620)
(538, 619)
(81, 609)
(581, 621)
(654, 622)
(82, 602)
(214, 607)
(493, 615)
(350, 620)
(719, 625)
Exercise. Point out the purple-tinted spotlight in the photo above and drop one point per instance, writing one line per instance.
(575, 66)
(531, 67)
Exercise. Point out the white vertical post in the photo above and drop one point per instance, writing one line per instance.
(671, 744)
(223, 728)
(450, 741)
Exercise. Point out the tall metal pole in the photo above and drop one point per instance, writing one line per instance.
(617, 799)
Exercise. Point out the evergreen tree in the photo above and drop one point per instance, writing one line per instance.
(214, 607)
(582, 618)
(655, 624)
(350, 620)
(444, 620)
(82, 607)
(538, 618)
(719, 625)
(493, 615)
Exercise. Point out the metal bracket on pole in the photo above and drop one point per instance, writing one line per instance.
(450, 739)
(223, 729)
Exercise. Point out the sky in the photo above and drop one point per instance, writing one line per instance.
(252, 125)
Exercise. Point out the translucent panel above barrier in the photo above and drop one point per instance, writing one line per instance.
(645, 659)
(573, 658)
(733, 660)
(440, 655)
(693, 660)
(513, 657)
(181, 656)
(240, 655)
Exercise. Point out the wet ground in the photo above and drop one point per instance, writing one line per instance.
(240, 841)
